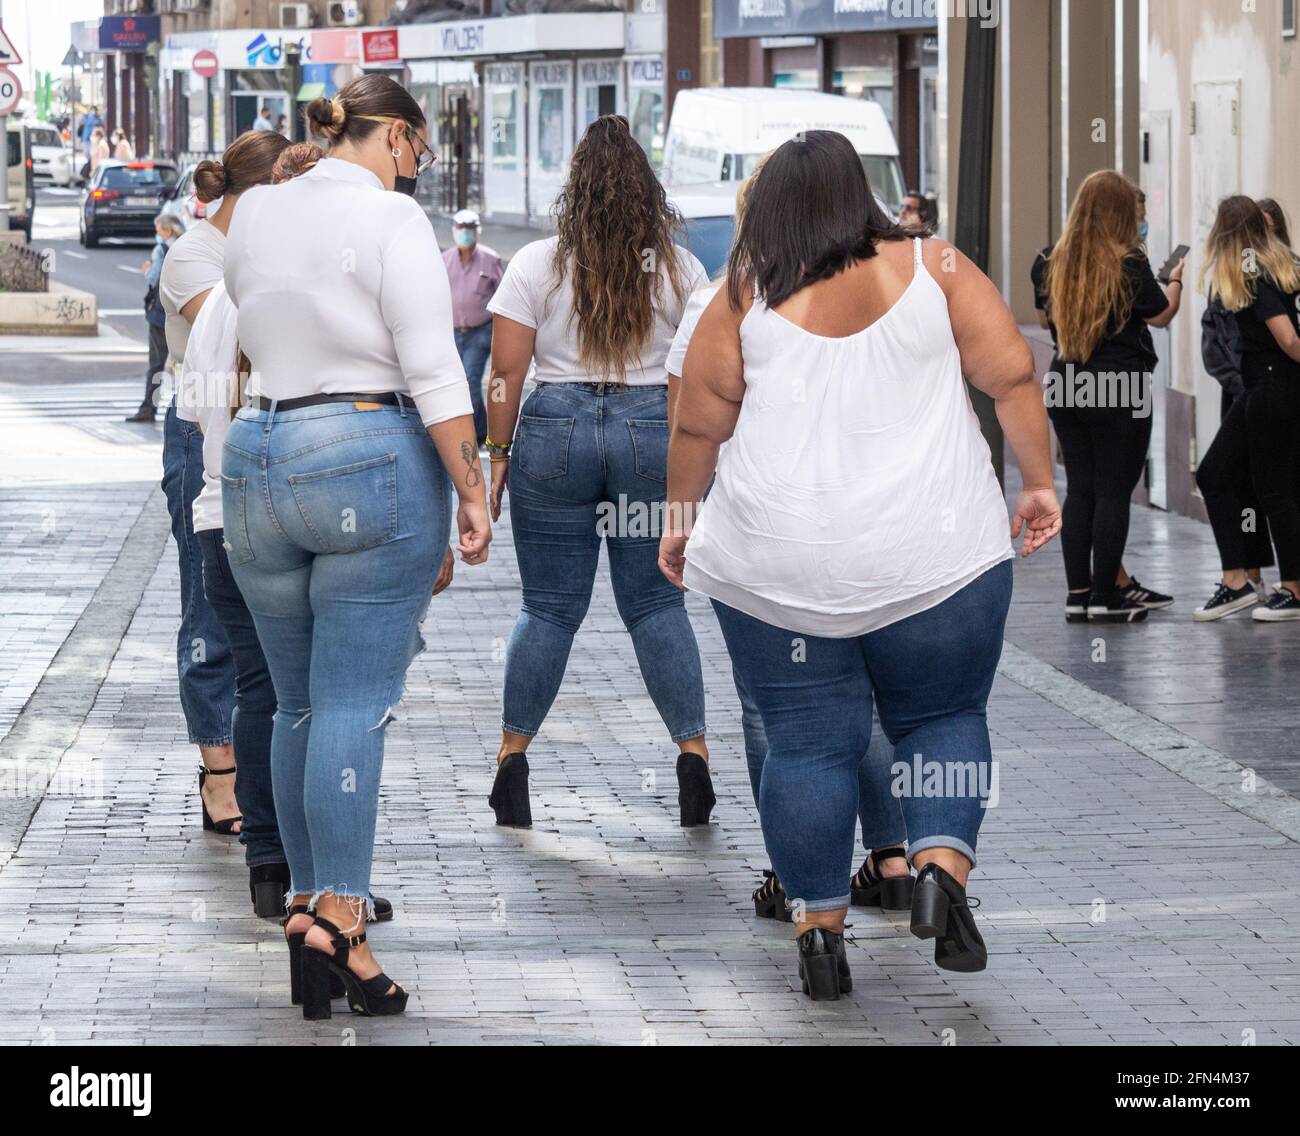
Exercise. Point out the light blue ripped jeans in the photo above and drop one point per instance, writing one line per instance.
(336, 522)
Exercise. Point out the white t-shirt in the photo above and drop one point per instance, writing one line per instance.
(205, 393)
(528, 295)
(698, 300)
(341, 289)
(193, 266)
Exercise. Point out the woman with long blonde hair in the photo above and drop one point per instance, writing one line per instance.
(1098, 295)
(1253, 274)
(594, 308)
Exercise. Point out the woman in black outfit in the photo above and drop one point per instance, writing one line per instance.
(1258, 444)
(1098, 294)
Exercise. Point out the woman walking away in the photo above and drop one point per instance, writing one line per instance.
(1253, 275)
(855, 541)
(190, 271)
(1099, 296)
(594, 308)
(336, 495)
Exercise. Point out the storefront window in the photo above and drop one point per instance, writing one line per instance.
(550, 129)
(645, 98)
(505, 128)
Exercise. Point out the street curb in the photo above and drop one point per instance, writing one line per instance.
(50, 722)
(1205, 767)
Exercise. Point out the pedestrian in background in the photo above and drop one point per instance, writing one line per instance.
(336, 484)
(192, 268)
(263, 120)
(475, 272)
(123, 151)
(846, 574)
(167, 230)
(919, 212)
(97, 152)
(1099, 298)
(594, 308)
(1254, 275)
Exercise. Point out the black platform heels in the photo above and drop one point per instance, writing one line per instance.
(373, 997)
(823, 965)
(769, 899)
(868, 888)
(295, 941)
(509, 799)
(941, 910)
(695, 798)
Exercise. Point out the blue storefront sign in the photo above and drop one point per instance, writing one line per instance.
(129, 33)
(733, 18)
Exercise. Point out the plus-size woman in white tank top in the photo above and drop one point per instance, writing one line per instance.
(855, 542)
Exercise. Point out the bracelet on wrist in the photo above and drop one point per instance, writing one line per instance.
(502, 448)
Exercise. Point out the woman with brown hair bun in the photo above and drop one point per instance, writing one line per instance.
(207, 677)
(337, 482)
(595, 308)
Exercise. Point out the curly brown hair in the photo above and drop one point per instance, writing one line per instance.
(616, 244)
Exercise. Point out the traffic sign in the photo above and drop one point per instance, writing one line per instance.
(206, 64)
(8, 53)
(11, 90)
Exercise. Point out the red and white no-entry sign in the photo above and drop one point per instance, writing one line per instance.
(11, 90)
(205, 64)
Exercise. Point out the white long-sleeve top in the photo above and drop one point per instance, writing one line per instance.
(341, 289)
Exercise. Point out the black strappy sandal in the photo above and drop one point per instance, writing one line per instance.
(295, 942)
(868, 888)
(368, 996)
(769, 899)
(225, 827)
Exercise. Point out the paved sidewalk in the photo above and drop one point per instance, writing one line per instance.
(1121, 902)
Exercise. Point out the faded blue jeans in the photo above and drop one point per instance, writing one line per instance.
(336, 521)
(475, 349)
(588, 464)
(929, 677)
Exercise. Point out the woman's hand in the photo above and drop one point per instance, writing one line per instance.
(672, 557)
(445, 573)
(1176, 273)
(500, 480)
(475, 531)
(1038, 516)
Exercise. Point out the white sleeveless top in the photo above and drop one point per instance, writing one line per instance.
(857, 489)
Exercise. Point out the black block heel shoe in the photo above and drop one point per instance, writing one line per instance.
(509, 799)
(823, 967)
(267, 884)
(695, 796)
(868, 888)
(225, 826)
(295, 942)
(368, 996)
(769, 900)
(941, 911)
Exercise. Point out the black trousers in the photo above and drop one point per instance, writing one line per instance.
(1224, 477)
(1273, 438)
(157, 365)
(1105, 451)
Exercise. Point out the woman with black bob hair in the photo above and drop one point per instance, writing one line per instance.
(855, 541)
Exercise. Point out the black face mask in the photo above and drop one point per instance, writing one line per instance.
(402, 184)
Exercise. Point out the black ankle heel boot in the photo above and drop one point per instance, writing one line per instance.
(823, 966)
(267, 884)
(509, 799)
(941, 910)
(868, 888)
(695, 796)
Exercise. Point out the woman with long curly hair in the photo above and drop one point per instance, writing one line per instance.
(1099, 297)
(594, 310)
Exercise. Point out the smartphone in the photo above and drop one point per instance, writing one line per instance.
(1169, 265)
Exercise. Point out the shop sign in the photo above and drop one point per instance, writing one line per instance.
(128, 33)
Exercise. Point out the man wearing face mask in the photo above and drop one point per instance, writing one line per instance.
(474, 271)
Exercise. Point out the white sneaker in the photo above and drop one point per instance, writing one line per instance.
(1283, 606)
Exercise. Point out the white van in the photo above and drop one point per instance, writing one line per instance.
(718, 133)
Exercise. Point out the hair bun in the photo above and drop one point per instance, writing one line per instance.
(210, 181)
(327, 117)
(294, 160)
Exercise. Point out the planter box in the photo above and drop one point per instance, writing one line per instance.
(60, 311)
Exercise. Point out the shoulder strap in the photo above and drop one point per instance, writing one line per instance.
(916, 246)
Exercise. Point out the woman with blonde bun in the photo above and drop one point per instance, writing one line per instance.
(207, 675)
(337, 482)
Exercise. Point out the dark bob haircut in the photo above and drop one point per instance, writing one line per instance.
(809, 214)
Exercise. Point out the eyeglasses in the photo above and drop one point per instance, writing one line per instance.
(426, 158)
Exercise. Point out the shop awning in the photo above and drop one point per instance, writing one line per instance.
(309, 91)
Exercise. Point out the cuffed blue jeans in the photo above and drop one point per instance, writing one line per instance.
(588, 463)
(336, 520)
(929, 676)
(203, 662)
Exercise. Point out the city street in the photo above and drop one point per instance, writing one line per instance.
(1137, 878)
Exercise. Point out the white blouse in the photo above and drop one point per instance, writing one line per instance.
(341, 289)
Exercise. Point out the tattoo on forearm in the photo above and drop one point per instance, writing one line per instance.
(473, 471)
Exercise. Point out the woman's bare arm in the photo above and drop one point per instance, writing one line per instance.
(512, 353)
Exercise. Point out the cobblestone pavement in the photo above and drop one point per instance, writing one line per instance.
(1121, 901)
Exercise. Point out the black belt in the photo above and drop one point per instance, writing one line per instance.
(384, 398)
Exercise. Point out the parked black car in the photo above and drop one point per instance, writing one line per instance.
(122, 199)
